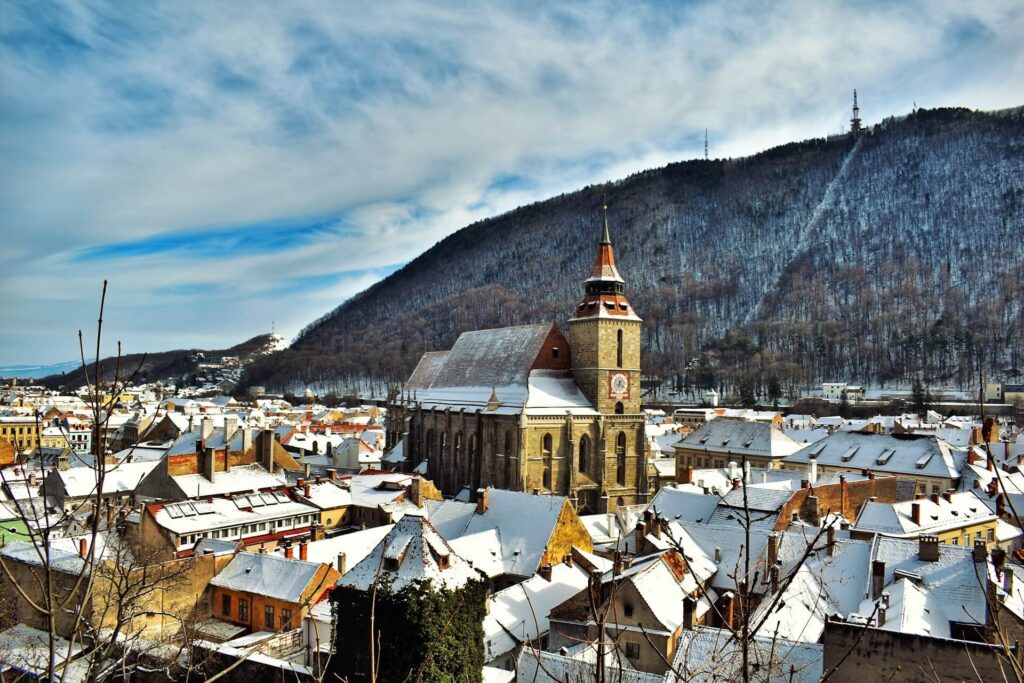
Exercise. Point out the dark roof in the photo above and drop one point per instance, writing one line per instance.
(498, 357)
(426, 370)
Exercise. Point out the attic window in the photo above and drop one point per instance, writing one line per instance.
(623, 307)
(580, 307)
(922, 462)
(592, 305)
(885, 455)
(627, 610)
(610, 305)
(443, 561)
(848, 455)
(391, 563)
(554, 352)
(746, 444)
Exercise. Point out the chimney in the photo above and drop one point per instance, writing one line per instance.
(266, 449)
(616, 563)
(246, 439)
(805, 484)
(638, 536)
(880, 616)
(303, 550)
(718, 554)
(208, 463)
(830, 540)
(83, 547)
(288, 552)
(842, 495)
(545, 571)
(812, 471)
(972, 456)
(1000, 505)
(481, 501)
(877, 578)
(1008, 579)
(928, 548)
(332, 474)
(416, 493)
(230, 426)
(688, 613)
(342, 562)
(948, 495)
(935, 498)
(736, 482)
(746, 472)
(919, 496)
(656, 527)
(773, 549)
(773, 572)
(686, 475)
(980, 553)
(915, 513)
(612, 527)
(977, 483)
(205, 428)
(998, 559)
(306, 490)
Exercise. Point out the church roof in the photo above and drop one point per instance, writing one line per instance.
(488, 358)
(426, 370)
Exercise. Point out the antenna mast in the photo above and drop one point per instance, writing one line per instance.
(705, 144)
(855, 127)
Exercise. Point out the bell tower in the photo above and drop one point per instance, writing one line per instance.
(604, 335)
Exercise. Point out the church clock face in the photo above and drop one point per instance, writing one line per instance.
(618, 383)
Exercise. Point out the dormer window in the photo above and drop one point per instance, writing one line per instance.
(554, 352)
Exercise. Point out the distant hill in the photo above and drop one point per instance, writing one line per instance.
(872, 259)
(163, 364)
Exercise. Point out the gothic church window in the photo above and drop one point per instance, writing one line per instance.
(620, 457)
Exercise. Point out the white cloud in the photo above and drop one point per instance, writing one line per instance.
(126, 122)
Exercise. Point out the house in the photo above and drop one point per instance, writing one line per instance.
(955, 518)
(647, 605)
(921, 464)
(265, 592)
(429, 606)
(258, 519)
(76, 488)
(533, 530)
(518, 615)
(716, 443)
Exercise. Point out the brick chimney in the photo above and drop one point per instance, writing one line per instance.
(545, 571)
(288, 552)
(303, 550)
(209, 466)
(980, 553)
(773, 549)
(685, 475)
(915, 513)
(928, 548)
(83, 547)
(481, 501)
(736, 482)
(935, 498)
(948, 495)
(688, 609)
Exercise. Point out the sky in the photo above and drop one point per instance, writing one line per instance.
(232, 166)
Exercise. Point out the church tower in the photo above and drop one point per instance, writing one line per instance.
(604, 335)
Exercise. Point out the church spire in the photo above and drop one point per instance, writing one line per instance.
(607, 238)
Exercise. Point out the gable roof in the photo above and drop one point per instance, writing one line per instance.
(497, 357)
(268, 575)
(412, 554)
(426, 370)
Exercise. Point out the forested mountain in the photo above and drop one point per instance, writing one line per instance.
(896, 254)
(163, 365)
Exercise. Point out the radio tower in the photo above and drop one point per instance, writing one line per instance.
(705, 144)
(855, 127)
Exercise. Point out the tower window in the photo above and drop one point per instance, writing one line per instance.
(584, 453)
(619, 409)
(620, 457)
(618, 348)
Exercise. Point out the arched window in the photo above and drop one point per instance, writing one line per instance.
(546, 445)
(618, 348)
(584, 453)
(619, 409)
(547, 478)
(431, 445)
(620, 458)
